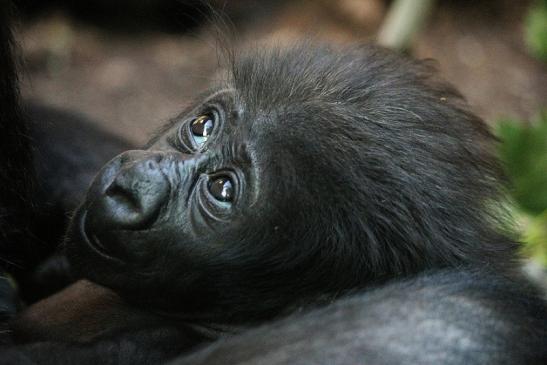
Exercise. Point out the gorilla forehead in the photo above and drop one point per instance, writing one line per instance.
(337, 96)
(271, 79)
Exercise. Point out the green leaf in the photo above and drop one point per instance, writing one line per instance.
(535, 238)
(524, 153)
(535, 30)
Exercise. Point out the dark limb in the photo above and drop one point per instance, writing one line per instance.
(48, 159)
(68, 150)
(17, 180)
(17, 177)
(442, 318)
(447, 317)
(148, 345)
(86, 323)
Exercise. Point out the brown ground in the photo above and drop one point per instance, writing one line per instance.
(130, 83)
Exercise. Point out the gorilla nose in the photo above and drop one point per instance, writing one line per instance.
(136, 194)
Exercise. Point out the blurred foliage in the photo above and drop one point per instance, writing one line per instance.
(535, 237)
(536, 29)
(524, 153)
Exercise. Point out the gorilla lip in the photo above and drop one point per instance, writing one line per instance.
(93, 242)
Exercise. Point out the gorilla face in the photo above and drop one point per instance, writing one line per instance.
(178, 193)
(194, 211)
(306, 173)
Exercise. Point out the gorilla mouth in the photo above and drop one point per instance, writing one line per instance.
(93, 241)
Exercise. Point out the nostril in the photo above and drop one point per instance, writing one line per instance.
(133, 198)
(113, 189)
(123, 196)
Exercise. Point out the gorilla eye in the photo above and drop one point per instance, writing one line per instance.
(222, 189)
(201, 128)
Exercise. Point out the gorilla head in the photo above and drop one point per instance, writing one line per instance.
(308, 172)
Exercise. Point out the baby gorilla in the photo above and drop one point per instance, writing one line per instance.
(307, 175)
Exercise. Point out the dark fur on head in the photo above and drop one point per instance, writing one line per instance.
(404, 175)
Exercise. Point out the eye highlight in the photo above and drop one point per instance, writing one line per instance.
(201, 128)
(222, 189)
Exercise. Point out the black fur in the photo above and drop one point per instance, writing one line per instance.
(17, 178)
(68, 152)
(40, 181)
(441, 317)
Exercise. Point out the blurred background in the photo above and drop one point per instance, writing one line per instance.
(131, 65)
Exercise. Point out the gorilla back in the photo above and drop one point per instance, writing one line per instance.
(307, 173)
